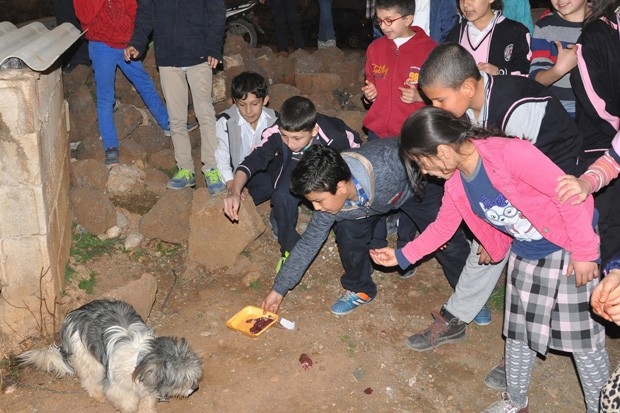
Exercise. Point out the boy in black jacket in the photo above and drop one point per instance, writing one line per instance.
(188, 37)
(299, 126)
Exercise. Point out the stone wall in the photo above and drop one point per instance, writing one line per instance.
(35, 220)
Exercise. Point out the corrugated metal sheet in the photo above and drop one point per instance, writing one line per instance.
(34, 45)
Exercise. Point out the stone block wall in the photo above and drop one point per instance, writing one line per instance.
(35, 219)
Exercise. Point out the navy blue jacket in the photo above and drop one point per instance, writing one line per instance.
(185, 32)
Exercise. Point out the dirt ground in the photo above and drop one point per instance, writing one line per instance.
(360, 361)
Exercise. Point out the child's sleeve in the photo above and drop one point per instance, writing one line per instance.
(222, 152)
(143, 25)
(544, 55)
(520, 62)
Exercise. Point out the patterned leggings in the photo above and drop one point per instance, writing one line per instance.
(592, 367)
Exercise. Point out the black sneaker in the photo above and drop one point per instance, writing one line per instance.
(408, 273)
(111, 157)
(439, 332)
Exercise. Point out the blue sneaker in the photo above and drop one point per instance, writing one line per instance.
(484, 316)
(183, 179)
(215, 183)
(349, 302)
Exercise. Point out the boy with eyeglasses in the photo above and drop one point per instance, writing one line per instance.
(393, 63)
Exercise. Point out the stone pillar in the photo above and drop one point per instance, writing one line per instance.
(35, 220)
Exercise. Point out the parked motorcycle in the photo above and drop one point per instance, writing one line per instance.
(240, 20)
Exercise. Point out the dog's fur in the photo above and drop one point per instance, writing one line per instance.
(118, 358)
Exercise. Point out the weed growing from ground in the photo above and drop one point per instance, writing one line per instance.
(86, 247)
(88, 285)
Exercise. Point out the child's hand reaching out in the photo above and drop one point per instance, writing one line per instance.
(370, 91)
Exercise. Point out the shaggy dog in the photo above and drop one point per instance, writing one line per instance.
(118, 358)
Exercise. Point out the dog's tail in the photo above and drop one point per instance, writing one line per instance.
(50, 360)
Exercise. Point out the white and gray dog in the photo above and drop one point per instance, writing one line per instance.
(118, 358)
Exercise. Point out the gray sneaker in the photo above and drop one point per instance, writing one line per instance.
(496, 379)
(506, 405)
(111, 158)
(439, 332)
(191, 125)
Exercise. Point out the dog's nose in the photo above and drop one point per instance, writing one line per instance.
(194, 388)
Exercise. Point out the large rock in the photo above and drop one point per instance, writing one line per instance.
(124, 179)
(90, 173)
(151, 138)
(317, 82)
(215, 241)
(163, 159)
(131, 152)
(139, 293)
(127, 118)
(307, 63)
(92, 209)
(82, 114)
(155, 181)
(168, 220)
(279, 93)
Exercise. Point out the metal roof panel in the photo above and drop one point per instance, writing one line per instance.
(34, 44)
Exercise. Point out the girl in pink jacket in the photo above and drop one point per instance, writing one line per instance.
(504, 190)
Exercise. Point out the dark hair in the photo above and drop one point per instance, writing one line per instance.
(404, 7)
(319, 170)
(246, 83)
(297, 114)
(448, 65)
(496, 5)
(429, 127)
(601, 8)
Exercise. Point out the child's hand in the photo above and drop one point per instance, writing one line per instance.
(567, 58)
(409, 93)
(212, 61)
(585, 271)
(569, 186)
(483, 256)
(272, 302)
(130, 53)
(370, 91)
(488, 68)
(605, 299)
(384, 256)
(232, 202)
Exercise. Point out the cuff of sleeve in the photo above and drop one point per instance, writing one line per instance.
(590, 178)
(614, 154)
(403, 263)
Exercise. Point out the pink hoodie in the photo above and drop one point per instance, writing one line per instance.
(527, 178)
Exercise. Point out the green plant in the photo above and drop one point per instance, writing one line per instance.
(254, 284)
(88, 285)
(496, 301)
(168, 250)
(246, 253)
(351, 346)
(86, 246)
(9, 370)
(69, 273)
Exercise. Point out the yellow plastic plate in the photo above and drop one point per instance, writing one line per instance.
(243, 320)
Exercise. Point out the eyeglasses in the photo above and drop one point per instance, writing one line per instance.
(388, 22)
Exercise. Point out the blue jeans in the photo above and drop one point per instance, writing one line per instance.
(326, 21)
(105, 59)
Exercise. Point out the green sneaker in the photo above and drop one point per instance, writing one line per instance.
(214, 180)
(183, 179)
(281, 261)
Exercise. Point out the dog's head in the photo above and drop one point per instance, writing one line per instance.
(170, 368)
